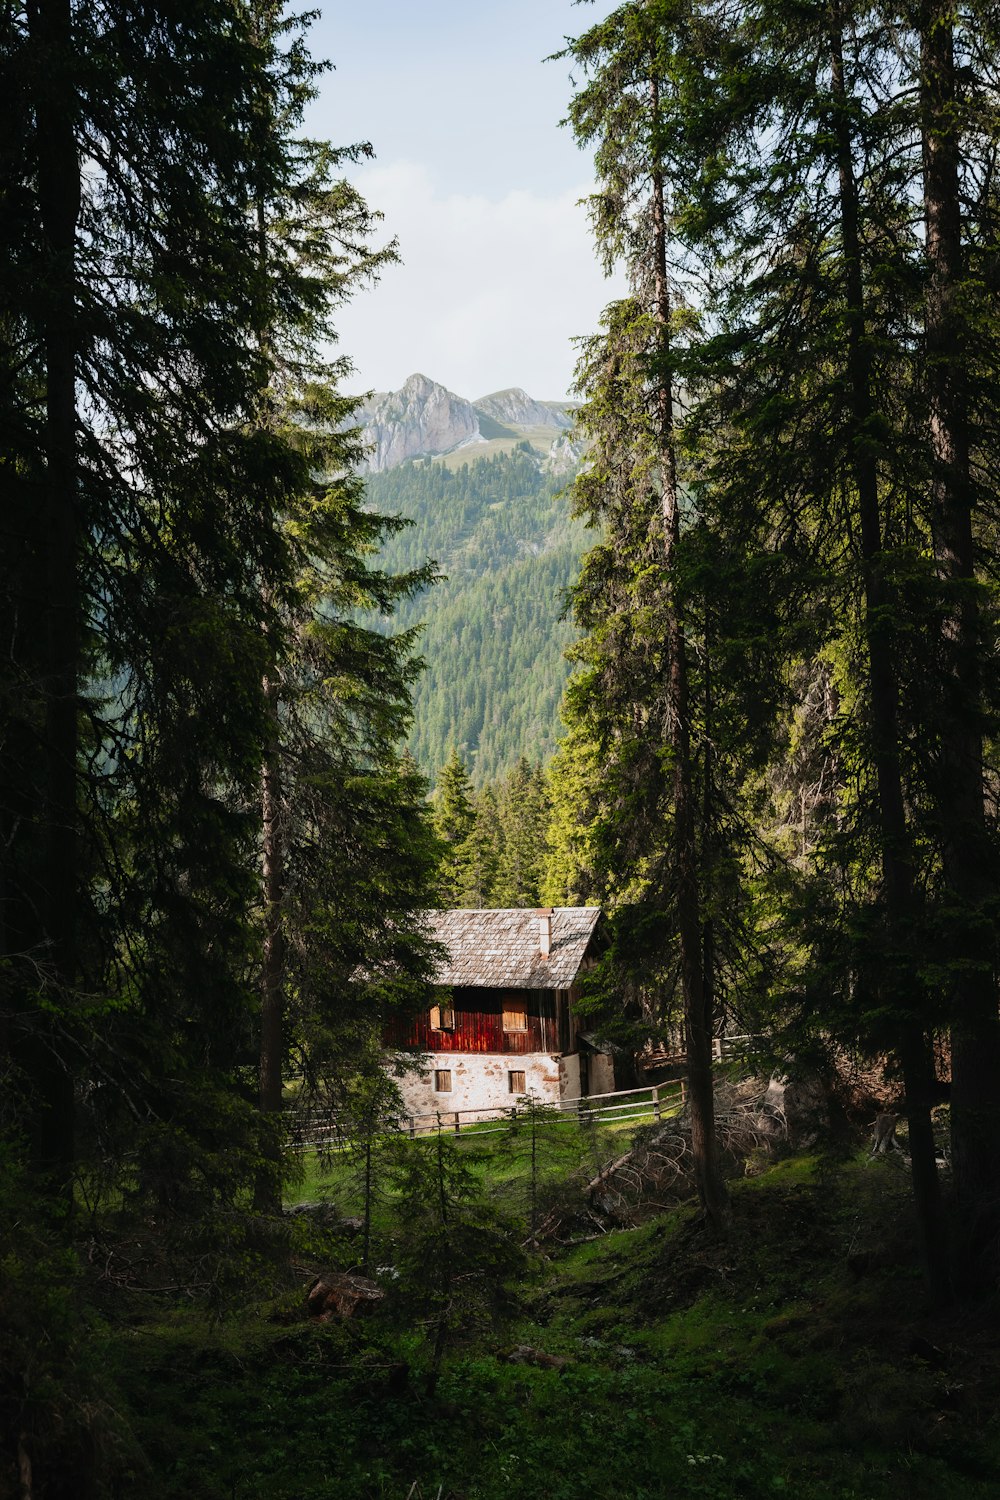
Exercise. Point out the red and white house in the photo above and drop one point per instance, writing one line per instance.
(503, 1024)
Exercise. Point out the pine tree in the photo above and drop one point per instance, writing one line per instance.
(454, 822)
(160, 571)
(960, 347)
(485, 848)
(626, 106)
(524, 814)
(819, 410)
(336, 692)
(570, 877)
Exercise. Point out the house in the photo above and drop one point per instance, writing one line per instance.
(503, 1024)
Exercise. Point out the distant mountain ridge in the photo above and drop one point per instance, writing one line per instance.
(515, 408)
(425, 419)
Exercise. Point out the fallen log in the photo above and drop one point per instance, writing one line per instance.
(609, 1171)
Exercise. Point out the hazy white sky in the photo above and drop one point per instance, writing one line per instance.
(477, 182)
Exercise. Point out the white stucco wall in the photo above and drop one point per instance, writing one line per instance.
(569, 1076)
(480, 1081)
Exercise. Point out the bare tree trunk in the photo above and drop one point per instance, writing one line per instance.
(59, 198)
(267, 1194)
(272, 1010)
(697, 997)
(975, 1033)
(880, 602)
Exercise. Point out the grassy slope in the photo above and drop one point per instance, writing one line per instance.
(540, 438)
(796, 1358)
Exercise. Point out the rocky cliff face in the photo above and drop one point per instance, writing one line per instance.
(564, 456)
(425, 418)
(421, 418)
(515, 408)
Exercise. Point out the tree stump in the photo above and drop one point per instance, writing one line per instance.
(342, 1294)
(884, 1139)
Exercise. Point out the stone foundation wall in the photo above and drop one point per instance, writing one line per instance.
(481, 1081)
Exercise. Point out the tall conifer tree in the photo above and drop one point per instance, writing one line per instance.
(630, 378)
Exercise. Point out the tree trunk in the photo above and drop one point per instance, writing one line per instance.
(272, 1009)
(267, 1193)
(975, 1033)
(880, 605)
(59, 200)
(697, 996)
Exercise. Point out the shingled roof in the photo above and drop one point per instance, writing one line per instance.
(500, 949)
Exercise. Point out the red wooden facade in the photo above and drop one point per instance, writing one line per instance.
(486, 1021)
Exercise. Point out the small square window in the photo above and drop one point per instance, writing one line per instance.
(442, 1018)
(515, 1017)
(442, 1080)
(515, 1082)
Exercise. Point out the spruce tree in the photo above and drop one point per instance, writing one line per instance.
(485, 848)
(335, 691)
(960, 347)
(160, 569)
(524, 813)
(454, 822)
(818, 403)
(625, 106)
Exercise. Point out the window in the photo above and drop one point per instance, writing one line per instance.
(442, 1080)
(515, 1082)
(515, 1016)
(442, 1018)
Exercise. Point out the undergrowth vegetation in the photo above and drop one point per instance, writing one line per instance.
(794, 1357)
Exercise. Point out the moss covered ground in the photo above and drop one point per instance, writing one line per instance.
(796, 1357)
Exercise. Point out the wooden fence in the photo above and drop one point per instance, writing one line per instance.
(652, 1103)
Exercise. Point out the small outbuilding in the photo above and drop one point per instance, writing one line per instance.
(503, 1023)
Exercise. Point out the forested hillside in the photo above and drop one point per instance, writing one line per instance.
(500, 532)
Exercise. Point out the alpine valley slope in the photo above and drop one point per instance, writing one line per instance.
(486, 501)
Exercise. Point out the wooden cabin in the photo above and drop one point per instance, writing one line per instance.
(503, 1024)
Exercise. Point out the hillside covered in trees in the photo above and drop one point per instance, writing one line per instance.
(493, 638)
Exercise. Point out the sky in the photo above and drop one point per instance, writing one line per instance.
(477, 182)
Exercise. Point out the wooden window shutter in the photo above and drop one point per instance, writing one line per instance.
(515, 1015)
(442, 1080)
(515, 1081)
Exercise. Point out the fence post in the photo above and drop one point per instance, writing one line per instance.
(656, 1102)
(413, 1127)
(458, 1122)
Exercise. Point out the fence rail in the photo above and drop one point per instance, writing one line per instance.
(655, 1101)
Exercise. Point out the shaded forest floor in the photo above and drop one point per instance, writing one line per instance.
(797, 1357)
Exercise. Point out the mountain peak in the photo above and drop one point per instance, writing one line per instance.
(425, 418)
(421, 418)
(514, 407)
